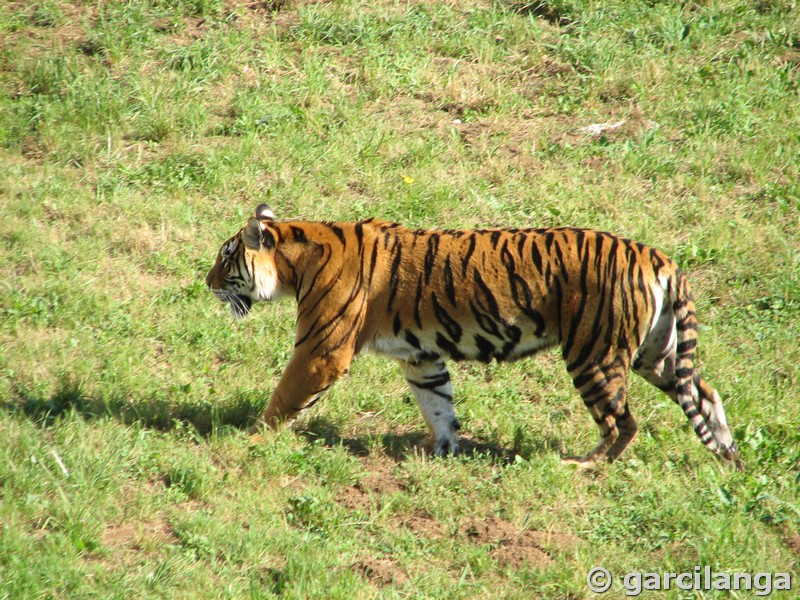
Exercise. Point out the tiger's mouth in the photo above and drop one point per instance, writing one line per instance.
(239, 303)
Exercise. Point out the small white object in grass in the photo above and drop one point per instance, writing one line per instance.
(456, 121)
(599, 128)
(60, 462)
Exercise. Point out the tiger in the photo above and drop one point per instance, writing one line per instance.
(423, 296)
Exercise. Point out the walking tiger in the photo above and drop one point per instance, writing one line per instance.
(425, 296)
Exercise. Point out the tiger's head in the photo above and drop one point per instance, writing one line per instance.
(245, 271)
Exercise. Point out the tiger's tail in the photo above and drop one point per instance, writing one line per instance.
(700, 403)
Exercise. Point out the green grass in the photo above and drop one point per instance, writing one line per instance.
(136, 136)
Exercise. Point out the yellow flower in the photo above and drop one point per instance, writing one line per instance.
(408, 180)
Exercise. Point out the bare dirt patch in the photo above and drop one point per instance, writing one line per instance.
(373, 489)
(355, 497)
(131, 540)
(59, 30)
(258, 7)
(137, 535)
(677, 551)
(419, 523)
(793, 541)
(515, 548)
(381, 571)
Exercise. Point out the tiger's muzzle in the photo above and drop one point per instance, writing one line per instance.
(239, 303)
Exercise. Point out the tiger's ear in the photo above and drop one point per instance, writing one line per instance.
(264, 213)
(256, 235)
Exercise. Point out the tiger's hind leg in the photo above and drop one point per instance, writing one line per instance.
(430, 383)
(656, 363)
(604, 392)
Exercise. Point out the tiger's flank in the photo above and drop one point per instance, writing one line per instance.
(426, 296)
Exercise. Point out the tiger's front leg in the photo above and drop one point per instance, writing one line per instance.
(430, 382)
(303, 381)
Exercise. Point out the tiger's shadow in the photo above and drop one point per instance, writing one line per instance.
(160, 414)
(401, 446)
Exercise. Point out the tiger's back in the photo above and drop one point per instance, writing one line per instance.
(426, 296)
(505, 294)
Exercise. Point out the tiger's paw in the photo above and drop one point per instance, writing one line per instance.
(442, 447)
(445, 447)
(730, 455)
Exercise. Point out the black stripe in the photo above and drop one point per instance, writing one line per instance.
(310, 309)
(423, 357)
(298, 234)
(514, 334)
(430, 255)
(448, 347)
(417, 300)
(372, 261)
(521, 244)
(656, 259)
(549, 238)
(394, 277)
(485, 348)
(679, 304)
(580, 380)
(355, 327)
(491, 301)
(412, 340)
(595, 394)
(437, 380)
(449, 284)
(359, 229)
(450, 324)
(339, 233)
(439, 393)
(354, 291)
(312, 284)
(613, 403)
(468, 255)
(485, 322)
(536, 256)
(564, 270)
(580, 235)
(576, 322)
(521, 292)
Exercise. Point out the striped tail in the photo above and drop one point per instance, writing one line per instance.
(687, 394)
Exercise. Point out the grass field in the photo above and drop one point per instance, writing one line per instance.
(136, 136)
